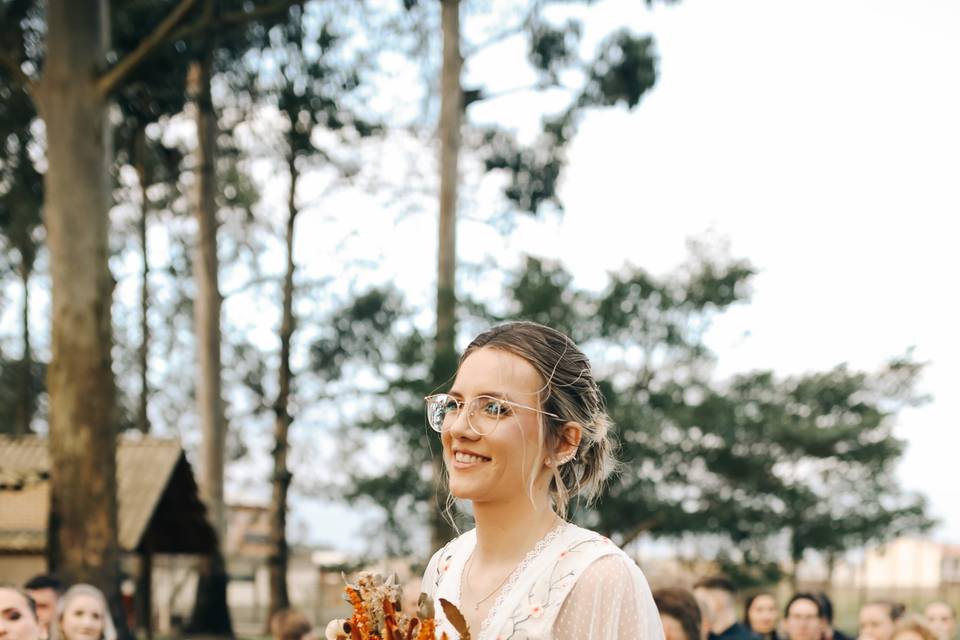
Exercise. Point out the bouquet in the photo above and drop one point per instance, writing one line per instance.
(377, 614)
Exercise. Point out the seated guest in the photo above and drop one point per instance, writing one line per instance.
(760, 615)
(801, 618)
(82, 614)
(877, 619)
(718, 594)
(18, 615)
(826, 619)
(679, 613)
(942, 619)
(45, 590)
(913, 627)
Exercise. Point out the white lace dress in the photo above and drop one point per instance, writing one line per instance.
(574, 584)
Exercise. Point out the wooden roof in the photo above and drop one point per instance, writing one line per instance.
(158, 503)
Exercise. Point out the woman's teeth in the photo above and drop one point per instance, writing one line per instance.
(459, 456)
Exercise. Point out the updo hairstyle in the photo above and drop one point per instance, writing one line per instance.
(569, 391)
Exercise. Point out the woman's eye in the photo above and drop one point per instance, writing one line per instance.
(449, 406)
(495, 408)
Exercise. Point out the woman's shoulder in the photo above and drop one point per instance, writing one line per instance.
(576, 537)
(444, 557)
(598, 556)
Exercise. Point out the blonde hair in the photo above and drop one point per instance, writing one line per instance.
(56, 631)
(916, 624)
(570, 392)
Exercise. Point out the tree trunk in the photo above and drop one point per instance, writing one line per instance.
(23, 410)
(144, 594)
(279, 556)
(210, 614)
(451, 112)
(82, 535)
(140, 163)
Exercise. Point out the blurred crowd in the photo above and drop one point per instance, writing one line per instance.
(709, 612)
(43, 609)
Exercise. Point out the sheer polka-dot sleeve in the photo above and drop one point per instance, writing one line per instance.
(611, 600)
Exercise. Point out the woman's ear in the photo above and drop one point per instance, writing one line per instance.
(568, 443)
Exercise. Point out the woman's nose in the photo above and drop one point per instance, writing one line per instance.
(461, 424)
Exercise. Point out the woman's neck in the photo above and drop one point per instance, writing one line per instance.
(506, 531)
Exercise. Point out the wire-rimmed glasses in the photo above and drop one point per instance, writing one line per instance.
(484, 413)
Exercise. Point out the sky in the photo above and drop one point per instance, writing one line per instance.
(822, 140)
(819, 139)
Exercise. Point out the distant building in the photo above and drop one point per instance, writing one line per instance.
(903, 563)
(160, 515)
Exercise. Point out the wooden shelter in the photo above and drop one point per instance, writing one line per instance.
(159, 507)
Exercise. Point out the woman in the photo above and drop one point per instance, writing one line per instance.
(18, 615)
(760, 615)
(82, 614)
(524, 429)
(877, 619)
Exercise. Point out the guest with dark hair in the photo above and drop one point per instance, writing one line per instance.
(760, 615)
(877, 619)
(45, 589)
(826, 619)
(718, 594)
(679, 613)
(801, 617)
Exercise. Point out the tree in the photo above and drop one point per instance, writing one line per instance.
(311, 85)
(21, 200)
(622, 71)
(71, 96)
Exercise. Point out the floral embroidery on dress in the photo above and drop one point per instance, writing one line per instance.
(546, 595)
(518, 571)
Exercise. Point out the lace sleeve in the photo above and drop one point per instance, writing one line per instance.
(611, 600)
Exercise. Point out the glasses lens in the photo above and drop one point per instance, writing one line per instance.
(485, 413)
(440, 408)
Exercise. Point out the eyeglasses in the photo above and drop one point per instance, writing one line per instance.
(484, 413)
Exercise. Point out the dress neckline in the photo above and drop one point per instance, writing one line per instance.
(518, 571)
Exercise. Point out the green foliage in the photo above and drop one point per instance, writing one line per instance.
(749, 459)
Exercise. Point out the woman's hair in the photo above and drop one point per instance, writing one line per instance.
(56, 630)
(568, 391)
(915, 624)
(680, 605)
(749, 603)
(894, 609)
(803, 595)
(31, 603)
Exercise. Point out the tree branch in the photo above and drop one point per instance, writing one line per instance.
(498, 37)
(234, 19)
(19, 77)
(110, 80)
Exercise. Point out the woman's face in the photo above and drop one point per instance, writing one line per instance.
(17, 621)
(82, 618)
(762, 614)
(875, 622)
(497, 466)
(803, 620)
